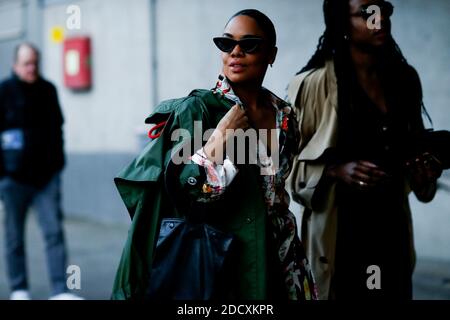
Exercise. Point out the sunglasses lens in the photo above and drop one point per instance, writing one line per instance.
(365, 14)
(224, 44)
(249, 45)
(387, 9)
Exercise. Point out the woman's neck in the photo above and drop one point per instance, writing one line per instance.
(249, 94)
(365, 62)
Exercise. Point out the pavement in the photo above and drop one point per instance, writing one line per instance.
(96, 248)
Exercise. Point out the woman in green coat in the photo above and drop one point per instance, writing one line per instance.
(243, 187)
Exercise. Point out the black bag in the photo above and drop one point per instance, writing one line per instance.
(188, 261)
(437, 143)
(189, 256)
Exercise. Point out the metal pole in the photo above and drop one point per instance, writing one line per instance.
(154, 53)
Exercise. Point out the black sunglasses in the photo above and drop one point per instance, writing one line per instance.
(248, 45)
(387, 9)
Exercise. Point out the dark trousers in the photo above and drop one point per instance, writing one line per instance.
(17, 199)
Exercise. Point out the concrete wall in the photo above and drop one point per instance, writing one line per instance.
(101, 124)
(422, 33)
(20, 20)
(188, 58)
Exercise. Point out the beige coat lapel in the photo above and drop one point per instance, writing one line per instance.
(314, 95)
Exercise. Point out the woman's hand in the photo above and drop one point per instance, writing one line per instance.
(360, 174)
(234, 119)
(423, 172)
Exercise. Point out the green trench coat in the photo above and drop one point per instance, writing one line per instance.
(141, 187)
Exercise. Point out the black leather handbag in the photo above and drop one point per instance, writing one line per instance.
(190, 255)
(437, 143)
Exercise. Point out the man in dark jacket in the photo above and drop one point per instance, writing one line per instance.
(31, 160)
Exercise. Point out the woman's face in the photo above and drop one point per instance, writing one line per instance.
(242, 67)
(362, 32)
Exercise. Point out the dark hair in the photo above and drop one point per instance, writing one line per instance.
(333, 46)
(25, 44)
(332, 43)
(263, 22)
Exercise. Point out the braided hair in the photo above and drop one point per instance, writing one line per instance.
(333, 45)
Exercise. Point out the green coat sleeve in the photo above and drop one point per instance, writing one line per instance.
(142, 189)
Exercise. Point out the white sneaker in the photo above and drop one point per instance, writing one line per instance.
(20, 295)
(65, 296)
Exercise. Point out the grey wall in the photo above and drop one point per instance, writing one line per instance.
(189, 59)
(104, 125)
(421, 29)
(20, 20)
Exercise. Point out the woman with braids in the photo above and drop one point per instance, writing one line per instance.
(359, 106)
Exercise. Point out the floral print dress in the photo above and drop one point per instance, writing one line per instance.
(297, 275)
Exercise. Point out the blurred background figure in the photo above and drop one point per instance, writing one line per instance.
(32, 159)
